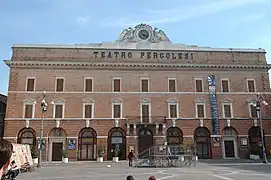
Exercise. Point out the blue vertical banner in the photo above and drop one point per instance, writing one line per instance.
(213, 105)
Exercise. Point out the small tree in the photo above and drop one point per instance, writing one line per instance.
(100, 151)
(116, 152)
(65, 153)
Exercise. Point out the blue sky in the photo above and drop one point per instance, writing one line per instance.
(215, 23)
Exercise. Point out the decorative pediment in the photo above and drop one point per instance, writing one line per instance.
(172, 101)
(116, 101)
(59, 101)
(227, 100)
(200, 100)
(145, 100)
(30, 101)
(88, 100)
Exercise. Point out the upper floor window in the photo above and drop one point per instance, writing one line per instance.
(225, 85)
(199, 84)
(116, 109)
(59, 109)
(59, 84)
(173, 109)
(88, 110)
(251, 85)
(29, 108)
(145, 110)
(144, 85)
(88, 84)
(252, 110)
(171, 85)
(30, 84)
(227, 110)
(116, 84)
(200, 108)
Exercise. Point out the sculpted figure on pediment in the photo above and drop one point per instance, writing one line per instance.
(159, 35)
(127, 35)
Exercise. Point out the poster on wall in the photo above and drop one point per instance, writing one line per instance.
(71, 144)
(213, 105)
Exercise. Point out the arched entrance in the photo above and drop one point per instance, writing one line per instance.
(116, 140)
(57, 142)
(229, 142)
(174, 140)
(145, 141)
(255, 141)
(27, 136)
(203, 142)
(87, 144)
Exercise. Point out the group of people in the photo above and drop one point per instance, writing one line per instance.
(132, 178)
(7, 168)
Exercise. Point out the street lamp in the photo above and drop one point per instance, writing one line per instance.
(44, 109)
(258, 105)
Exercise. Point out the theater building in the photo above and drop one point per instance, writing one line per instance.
(136, 92)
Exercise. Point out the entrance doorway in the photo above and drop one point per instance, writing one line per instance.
(255, 141)
(229, 143)
(57, 151)
(229, 148)
(145, 141)
(116, 140)
(87, 144)
(174, 140)
(203, 142)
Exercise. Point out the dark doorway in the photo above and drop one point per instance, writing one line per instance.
(203, 143)
(255, 141)
(57, 151)
(116, 140)
(229, 148)
(174, 140)
(145, 141)
(87, 144)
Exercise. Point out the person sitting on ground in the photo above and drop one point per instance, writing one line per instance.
(6, 150)
(129, 177)
(13, 171)
(152, 178)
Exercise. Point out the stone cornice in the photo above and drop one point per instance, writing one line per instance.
(63, 64)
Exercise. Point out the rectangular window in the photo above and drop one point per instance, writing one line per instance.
(251, 85)
(116, 111)
(173, 110)
(225, 85)
(59, 84)
(131, 129)
(227, 111)
(253, 112)
(28, 111)
(58, 111)
(88, 111)
(144, 85)
(172, 85)
(200, 111)
(30, 86)
(116, 85)
(199, 86)
(88, 85)
(145, 113)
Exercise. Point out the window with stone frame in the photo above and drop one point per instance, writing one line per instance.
(227, 111)
(225, 85)
(88, 111)
(200, 111)
(116, 110)
(30, 86)
(59, 110)
(88, 85)
(28, 110)
(251, 85)
(253, 111)
(60, 84)
(172, 85)
(116, 85)
(173, 111)
(145, 113)
(144, 85)
(199, 86)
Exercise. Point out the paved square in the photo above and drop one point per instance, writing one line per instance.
(118, 171)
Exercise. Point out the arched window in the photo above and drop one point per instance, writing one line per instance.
(116, 140)
(87, 144)
(27, 136)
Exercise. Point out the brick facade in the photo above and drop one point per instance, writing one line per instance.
(30, 61)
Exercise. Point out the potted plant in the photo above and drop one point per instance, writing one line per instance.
(65, 156)
(116, 155)
(100, 154)
(34, 155)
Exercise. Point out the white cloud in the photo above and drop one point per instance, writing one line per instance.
(178, 14)
(83, 19)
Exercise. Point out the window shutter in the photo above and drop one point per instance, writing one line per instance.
(172, 85)
(116, 85)
(199, 87)
(88, 85)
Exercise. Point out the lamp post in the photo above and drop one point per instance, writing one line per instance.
(44, 109)
(259, 103)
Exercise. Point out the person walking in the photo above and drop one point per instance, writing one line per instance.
(130, 158)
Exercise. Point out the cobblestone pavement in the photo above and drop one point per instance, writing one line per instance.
(118, 171)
